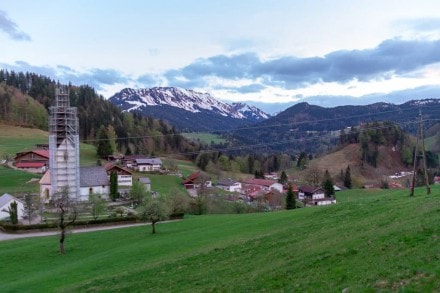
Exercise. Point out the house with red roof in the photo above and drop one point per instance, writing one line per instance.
(264, 184)
(194, 180)
(35, 161)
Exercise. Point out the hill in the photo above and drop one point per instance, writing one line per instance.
(369, 241)
(388, 163)
(187, 110)
(315, 129)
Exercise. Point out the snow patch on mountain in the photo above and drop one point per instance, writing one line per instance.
(188, 100)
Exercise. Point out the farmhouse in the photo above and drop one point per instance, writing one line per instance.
(35, 161)
(125, 176)
(5, 202)
(93, 180)
(195, 179)
(229, 185)
(314, 196)
(147, 165)
(266, 185)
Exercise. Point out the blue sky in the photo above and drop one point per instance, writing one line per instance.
(327, 52)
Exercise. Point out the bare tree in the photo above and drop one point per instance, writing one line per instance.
(313, 175)
(67, 212)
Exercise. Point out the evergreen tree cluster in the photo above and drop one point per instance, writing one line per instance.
(25, 99)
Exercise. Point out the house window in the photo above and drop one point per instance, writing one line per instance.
(91, 190)
(46, 193)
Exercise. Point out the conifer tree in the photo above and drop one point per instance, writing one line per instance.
(347, 178)
(290, 199)
(327, 184)
(113, 185)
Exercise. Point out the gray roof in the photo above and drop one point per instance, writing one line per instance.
(150, 161)
(144, 180)
(93, 176)
(226, 182)
(6, 198)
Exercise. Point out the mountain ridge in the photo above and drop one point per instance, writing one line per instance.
(178, 105)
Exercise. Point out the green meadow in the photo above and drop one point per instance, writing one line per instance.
(205, 137)
(371, 241)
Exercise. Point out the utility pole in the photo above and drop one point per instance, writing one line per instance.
(420, 135)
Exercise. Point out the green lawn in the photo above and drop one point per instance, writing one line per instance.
(14, 139)
(205, 137)
(370, 241)
(17, 182)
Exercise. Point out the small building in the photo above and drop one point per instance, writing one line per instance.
(312, 195)
(195, 179)
(266, 185)
(229, 185)
(146, 182)
(437, 180)
(147, 165)
(5, 202)
(130, 160)
(35, 161)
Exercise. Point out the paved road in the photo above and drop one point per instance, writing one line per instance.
(7, 236)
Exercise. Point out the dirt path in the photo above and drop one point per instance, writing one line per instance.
(7, 236)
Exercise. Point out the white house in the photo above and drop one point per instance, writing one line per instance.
(93, 180)
(314, 196)
(266, 185)
(148, 165)
(5, 202)
(229, 185)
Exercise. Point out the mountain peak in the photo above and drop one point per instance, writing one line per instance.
(150, 100)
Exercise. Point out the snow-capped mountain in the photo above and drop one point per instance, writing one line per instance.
(187, 109)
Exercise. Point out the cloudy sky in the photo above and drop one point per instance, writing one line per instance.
(271, 51)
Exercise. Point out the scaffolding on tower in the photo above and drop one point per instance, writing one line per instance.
(64, 146)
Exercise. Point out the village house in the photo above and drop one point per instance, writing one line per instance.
(125, 176)
(195, 179)
(129, 161)
(312, 195)
(229, 185)
(35, 161)
(147, 165)
(93, 180)
(5, 202)
(266, 185)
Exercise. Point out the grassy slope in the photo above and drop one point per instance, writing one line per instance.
(369, 241)
(14, 139)
(204, 137)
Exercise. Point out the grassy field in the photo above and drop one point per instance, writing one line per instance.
(370, 241)
(205, 137)
(14, 139)
(17, 182)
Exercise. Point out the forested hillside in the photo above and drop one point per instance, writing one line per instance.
(25, 99)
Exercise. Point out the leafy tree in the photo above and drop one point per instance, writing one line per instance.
(347, 177)
(283, 178)
(29, 207)
(178, 202)
(290, 199)
(327, 184)
(113, 186)
(138, 192)
(97, 205)
(154, 210)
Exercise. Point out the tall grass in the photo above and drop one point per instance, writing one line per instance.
(376, 241)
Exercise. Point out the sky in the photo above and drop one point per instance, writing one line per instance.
(269, 53)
